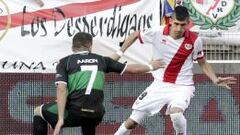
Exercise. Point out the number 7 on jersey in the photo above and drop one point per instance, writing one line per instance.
(93, 69)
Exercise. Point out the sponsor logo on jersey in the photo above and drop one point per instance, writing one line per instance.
(164, 41)
(87, 61)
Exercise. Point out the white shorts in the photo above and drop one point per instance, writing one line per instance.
(159, 94)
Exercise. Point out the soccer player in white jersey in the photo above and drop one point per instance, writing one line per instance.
(173, 85)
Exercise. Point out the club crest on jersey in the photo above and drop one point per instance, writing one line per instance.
(188, 46)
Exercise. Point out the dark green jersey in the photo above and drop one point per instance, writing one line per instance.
(84, 74)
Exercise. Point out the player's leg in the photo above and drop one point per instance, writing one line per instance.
(44, 115)
(39, 124)
(147, 104)
(50, 114)
(179, 102)
(178, 120)
(89, 125)
(88, 130)
(135, 119)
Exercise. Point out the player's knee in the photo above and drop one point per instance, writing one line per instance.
(179, 122)
(130, 124)
(37, 111)
(173, 110)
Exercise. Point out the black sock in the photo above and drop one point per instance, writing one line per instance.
(39, 126)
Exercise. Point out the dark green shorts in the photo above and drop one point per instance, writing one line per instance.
(72, 117)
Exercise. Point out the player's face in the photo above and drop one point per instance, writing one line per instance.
(178, 28)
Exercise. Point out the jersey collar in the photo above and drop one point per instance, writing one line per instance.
(81, 52)
(166, 31)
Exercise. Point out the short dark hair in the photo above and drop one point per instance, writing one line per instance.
(180, 13)
(81, 39)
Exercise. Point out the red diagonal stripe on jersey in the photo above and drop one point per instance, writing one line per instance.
(174, 67)
(70, 10)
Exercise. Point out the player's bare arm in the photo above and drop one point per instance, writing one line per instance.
(220, 81)
(61, 102)
(143, 68)
(129, 41)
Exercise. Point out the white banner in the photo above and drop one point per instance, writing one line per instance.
(34, 38)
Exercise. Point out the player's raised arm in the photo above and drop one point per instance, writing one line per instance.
(128, 42)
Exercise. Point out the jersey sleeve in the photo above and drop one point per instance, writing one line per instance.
(114, 66)
(146, 36)
(61, 73)
(198, 49)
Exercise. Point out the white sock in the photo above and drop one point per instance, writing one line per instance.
(122, 130)
(179, 123)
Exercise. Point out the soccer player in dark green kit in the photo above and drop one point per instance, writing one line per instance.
(80, 79)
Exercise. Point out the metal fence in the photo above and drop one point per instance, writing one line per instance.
(213, 111)
(222, 47)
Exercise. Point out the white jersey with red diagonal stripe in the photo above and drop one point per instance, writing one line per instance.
(178, 55)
